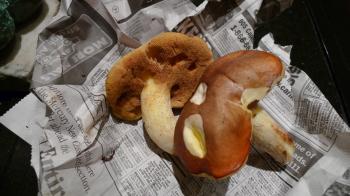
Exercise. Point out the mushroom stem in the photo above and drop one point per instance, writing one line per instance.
(158, 118)
(270, 138)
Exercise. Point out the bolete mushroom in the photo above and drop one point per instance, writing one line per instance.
(214, 130)
(160, 75)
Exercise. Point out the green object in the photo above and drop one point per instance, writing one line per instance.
(15, 12)
(7, 25)
(22, 10)
(3, 5)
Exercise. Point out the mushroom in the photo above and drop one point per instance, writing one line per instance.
(160, 75)
(214, 130)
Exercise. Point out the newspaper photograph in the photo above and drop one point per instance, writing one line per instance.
(79, 148)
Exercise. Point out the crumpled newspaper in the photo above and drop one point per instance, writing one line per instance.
(75, 141)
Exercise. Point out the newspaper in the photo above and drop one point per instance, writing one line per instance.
(78, 148)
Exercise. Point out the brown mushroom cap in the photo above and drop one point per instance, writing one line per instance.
(172, 58)
(227, 125)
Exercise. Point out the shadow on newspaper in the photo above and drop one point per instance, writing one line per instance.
(262, 161)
